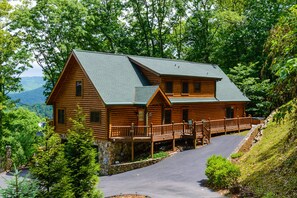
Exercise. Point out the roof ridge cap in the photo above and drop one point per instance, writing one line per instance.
(170, 59)
(96, 52)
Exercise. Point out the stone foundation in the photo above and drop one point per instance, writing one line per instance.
(120, 168)
(110, 153)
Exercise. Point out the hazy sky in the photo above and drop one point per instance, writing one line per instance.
(35, 71)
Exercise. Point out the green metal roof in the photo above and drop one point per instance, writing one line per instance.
(119, 81)
(192, 100)
(143, 94)
(170, 67)
(114, 77)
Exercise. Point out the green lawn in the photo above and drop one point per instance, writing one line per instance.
(270, 168)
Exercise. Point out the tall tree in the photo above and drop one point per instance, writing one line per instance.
(150, 23)
(282, 59)
(20, 127)
(51, 29)
(81, 155)
(13, 59)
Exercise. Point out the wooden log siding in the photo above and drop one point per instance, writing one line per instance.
(202, 111)
(89, 101)
(152, 78)
(207, 87)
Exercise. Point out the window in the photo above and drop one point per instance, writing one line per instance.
(78, 88)
(61, 116)
(197, 87)
(185, 115)
(229, 112)
(169, 87)
(185, 87)
(167, 115)
(95, 116)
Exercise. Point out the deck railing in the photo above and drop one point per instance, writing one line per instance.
(198, 129)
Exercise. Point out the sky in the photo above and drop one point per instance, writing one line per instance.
(35, 71)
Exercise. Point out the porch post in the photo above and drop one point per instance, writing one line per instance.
(225, 128)
(238, 125)
(195, 135)
(132, 141)
(152, 142)
(173, 137)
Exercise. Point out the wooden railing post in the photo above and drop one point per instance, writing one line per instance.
(152, 142)
(173, 137)
(225, 127)
(194, 132)
(109, 134)
(209, 125)
(251, 120)
(183, 127)
(132, 141)
(238, 125)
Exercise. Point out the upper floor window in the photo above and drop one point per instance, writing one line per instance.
(197, 87)
(169, 87)
(78, 88)
(95, 116)
(185, 87)
(61, 116)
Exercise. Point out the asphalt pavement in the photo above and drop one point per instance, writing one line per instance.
(181, 175)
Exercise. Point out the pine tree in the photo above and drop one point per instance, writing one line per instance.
(50, 167)
(80, 154)
(19, 187)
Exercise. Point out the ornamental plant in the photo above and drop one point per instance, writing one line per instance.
(221, 173)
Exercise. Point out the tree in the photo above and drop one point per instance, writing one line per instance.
(18, 188)
(80, 155)
(282, 60)
(51, 29)
(13, 59)
(256, 90)
(49, 167)
(20, 128)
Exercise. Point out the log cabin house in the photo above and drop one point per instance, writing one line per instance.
(130, 99)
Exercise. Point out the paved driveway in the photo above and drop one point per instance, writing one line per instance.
(181, 175)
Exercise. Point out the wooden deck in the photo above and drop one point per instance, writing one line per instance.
(198, 131)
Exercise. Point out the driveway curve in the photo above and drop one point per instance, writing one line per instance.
(181, 175)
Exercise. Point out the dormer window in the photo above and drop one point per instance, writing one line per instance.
(169, 87)
(197, 87)
(185, 87)
(78, 88)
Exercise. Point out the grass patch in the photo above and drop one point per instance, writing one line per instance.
(236, 155)
(269, 168)
(158, 155)
(242, 133)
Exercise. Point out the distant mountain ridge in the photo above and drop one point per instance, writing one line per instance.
(31, 97)
(33, 91)
(30, 83)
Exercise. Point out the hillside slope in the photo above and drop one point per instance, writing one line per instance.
(31, 97)
(270, 168)
(30, 83)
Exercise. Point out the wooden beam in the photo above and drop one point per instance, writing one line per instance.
(132, 150)
(195, 135)
(173, 137)
(152, 142)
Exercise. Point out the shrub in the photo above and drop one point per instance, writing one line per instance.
(221, 173)
(236, 155)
